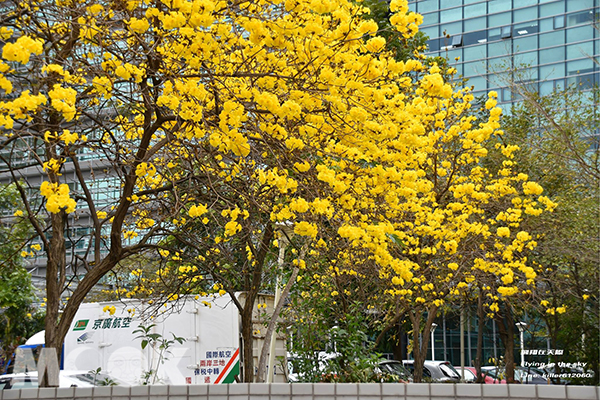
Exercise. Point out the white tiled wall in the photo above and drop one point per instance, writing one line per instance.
(316, 391)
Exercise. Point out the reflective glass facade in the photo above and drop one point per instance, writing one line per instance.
(549, 43)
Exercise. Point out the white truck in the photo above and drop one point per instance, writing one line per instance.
(102, 336)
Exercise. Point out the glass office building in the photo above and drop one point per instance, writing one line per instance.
(546, 44)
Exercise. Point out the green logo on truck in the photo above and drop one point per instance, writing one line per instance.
(81, 324)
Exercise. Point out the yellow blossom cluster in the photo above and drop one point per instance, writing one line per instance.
(21, 49)
(63, 100)
(57, 197)
(109, 309)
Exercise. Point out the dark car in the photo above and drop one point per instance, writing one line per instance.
(324, 368)
(394, 371)
(435, 371)
(522, 375)
(568, 374)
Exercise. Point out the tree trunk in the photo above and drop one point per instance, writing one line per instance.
(420, 349)
(55, 268)
(399, 344)
(506, 331)
(247, 341)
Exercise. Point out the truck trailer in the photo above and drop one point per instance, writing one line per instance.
(202, 337)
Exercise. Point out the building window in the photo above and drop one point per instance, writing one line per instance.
(583, 82)
(559, 22)
(474, 38)
(433, 45)
(457, 41)
(428, 5)
(526, 28)
(584, 17)
(506, 32)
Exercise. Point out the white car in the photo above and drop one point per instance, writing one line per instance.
(319, 364)
(66, 379)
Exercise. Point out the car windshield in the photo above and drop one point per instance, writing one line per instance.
(468, 374)
(23, 383)
(526, 375)
(532, 370)
(520, 375)
(426, 372)
(19, 382)
(449, 371)
(394, 368)
(67, 379)
(491, 372)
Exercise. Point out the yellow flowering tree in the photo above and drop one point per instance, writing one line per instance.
(470, 238)
(555, 152)
(452, 224)
(194, 130)
(107, 102)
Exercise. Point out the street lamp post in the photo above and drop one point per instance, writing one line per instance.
(433, 326)
(522, 326)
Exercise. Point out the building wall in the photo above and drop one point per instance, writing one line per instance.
(105, 187)
(551, 43)
(447, 339)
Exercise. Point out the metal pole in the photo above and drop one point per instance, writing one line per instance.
(462, 344)
(433, 326)
(494, 341)
(444, 338)
(469, 351)
(522, 352)
(522, 326)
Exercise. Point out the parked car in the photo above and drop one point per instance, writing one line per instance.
(320, 368)
(436, 371)
(530, 375)
(66, 379)
(301, 369)
(522, 375)
(568, 375)
(472, 376)
(394, 371)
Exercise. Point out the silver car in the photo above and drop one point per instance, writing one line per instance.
(435, 371)
(66, 379)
